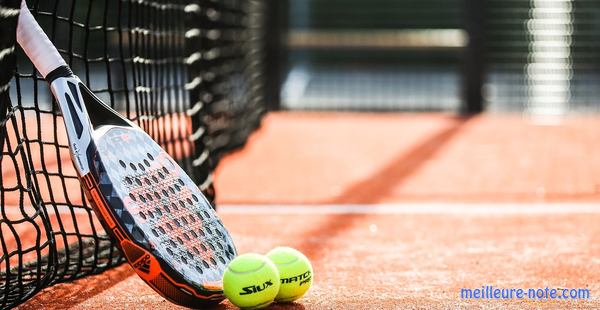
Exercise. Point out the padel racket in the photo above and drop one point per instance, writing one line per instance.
(164, 225)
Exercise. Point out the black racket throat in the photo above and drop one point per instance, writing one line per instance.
(99, 113)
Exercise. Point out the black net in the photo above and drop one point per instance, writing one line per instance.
(226, 62)
(188, 72)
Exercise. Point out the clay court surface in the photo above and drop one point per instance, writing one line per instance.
(403, 210)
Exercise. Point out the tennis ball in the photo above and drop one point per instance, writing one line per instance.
(251, 281)
(295, 272)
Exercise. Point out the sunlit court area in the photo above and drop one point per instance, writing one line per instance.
(433, 154)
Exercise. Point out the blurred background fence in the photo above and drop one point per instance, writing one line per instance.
(538, 56)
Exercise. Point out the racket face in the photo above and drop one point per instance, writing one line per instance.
(176, 233)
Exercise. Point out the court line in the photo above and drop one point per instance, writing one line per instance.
(416, 208)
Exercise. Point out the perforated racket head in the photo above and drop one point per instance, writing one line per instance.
(158, 210)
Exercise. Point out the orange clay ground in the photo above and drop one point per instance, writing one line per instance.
(403, 210)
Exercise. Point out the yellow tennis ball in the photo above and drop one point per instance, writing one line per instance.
(251, 281)
(295, 271)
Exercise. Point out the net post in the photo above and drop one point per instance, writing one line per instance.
(276, 28)
(473, 61)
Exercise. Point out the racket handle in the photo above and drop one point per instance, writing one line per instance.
(36, 44)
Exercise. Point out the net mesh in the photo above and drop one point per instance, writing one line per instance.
(188, 72)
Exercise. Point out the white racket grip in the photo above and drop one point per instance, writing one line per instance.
(36, 44)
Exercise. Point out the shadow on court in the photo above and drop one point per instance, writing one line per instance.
(378, 184)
